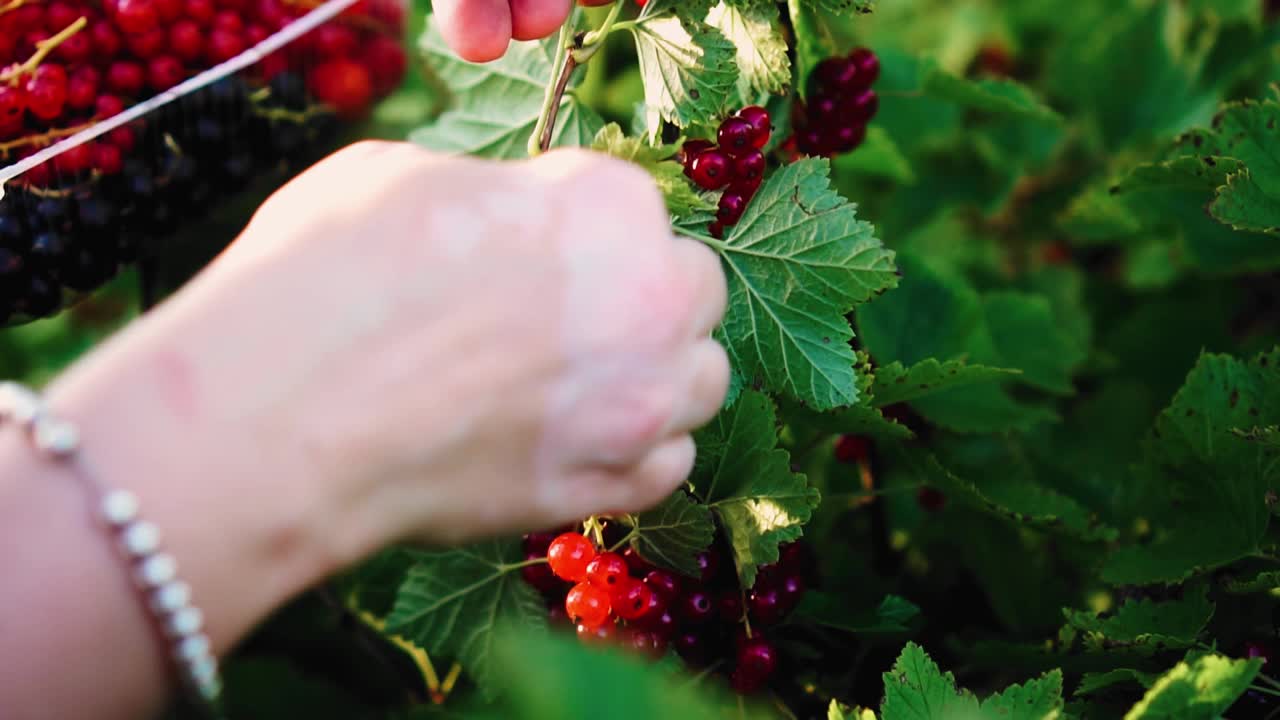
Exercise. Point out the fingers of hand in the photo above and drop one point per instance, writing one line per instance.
(647, 483)
(702, 268)
(705, 383)
(478, 30)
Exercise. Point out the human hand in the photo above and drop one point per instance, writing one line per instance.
(481, 30)
(409, 346)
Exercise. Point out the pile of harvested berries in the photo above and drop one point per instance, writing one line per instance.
(708, 620)
(68, 224)
(734, 162)
(841, 103)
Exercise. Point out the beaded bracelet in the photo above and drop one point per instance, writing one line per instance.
(154, 572)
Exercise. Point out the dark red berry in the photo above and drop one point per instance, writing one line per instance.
(697, 607)
(761, 125)
(790, 591)
(729, 606)
(732, 205)
(540, 575)
(82, 88)
(662, 582)
(639, 566)
(75, 49)
(664, 623)
(344, 85)
(715, 229)
(557, 617)
(756, 660)
(868, 66)
(694, 646)
(108, 159)
(75, 161)
(587, 605)
(385, 57)
(58, 15)
(749, 167)
(708, 565)
(149, 44)
(736, 136)
(164, 72)
(647, 643)
(711, 170)
(859, 108)
(691, 149)
(333, 40)
(169, 10)
(835, 74)
(228, 20)
(765, 606)
(631, 599)
(569, 556)
(852, 449)
(538, 542)
(603, 633)
(202, 11)
(46, 92)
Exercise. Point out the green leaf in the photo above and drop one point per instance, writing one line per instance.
(877, 156)
(841, 7)
(549, 676)
(683, 9)
(265, 689)
(689, 69)
(1263, 582)
(454, 599)
(797, 263)
(1026, 336)
(1005, 97)
(753, 28)
(1247, 131)
(1199, 690)
(747, 481)
(1200, 473)
(668, 174)
(498, 103)
(1150, 625)
(891, 616)
(673, 533)
(1093, 682)
(895, 383)
(917, 690)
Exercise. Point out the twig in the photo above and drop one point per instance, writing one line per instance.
(551, 101)
(544, 140)
(43, 48)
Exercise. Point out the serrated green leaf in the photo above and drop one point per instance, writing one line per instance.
(373, 585)
(1250, 198)
(497, 104)
(673, 533)
(1200, 690)
(1263, 582)
(895, 383)
(1036, 699)
(1093, 682)
(1026, 336)
(916, 689)
(744, 477)
(853, 420)
(689, 69)
(989, 96)
(841, 7)
(1201, 474)
(668, 174)
(1148, 625)
(454, 599)
(683, 9)
(797, 262)
(753, 28)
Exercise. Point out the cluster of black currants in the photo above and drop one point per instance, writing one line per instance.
(841, 103)
(708, 620)
(70, 238)
(735, 162)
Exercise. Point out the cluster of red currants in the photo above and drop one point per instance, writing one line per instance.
(841, 103)
(623, 598)
(65, 63)
(734, 162)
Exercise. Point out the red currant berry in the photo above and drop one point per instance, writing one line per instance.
(732, 205)
(709, 563)
(75, 49)
(136, 16)
(756, 661)
(631, 599)
(169, 10)
(691, 149)
(931, 499)
(587, 605)
(164, 72)
(58, 15)
(387, 62)
(852, 449)
(602, 634)
(836, 74)
(105, 39)
(228, 20)
(75, 161)
(186, 40)
(868, 66)
(716, 229)
(662, 582)
(607, 571)
(736, 136)
(107, 159)
(334, 40)
(697, 607)
(106, 106)
(569, 555)
(125, 77)
(711, 170)
(749, 168)
(202, 11)
(860, 108)
(223, 45)
(123, 138)
(344, 85)
(148, 44)
(82, 88)
(46, 92)
(13, 107)
(761, 125)
(639, 566)
(647, 643)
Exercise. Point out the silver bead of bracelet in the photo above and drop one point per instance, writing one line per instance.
(154, 572)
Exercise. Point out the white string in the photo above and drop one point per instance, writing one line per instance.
(322, 14)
